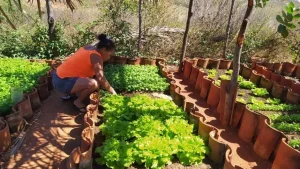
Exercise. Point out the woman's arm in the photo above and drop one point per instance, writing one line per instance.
(98, 68)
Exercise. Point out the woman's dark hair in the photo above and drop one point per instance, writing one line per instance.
(105, 42)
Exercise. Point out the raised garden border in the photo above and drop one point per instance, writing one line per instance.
(268, 143)
(28, 107)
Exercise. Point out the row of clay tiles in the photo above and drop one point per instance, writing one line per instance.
(191, 87)
(285, 68)
(25, 109)
(81, 157)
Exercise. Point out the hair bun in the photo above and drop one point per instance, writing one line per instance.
(102, 37)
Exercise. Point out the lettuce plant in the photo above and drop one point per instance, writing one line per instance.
(247, 85)
(260, 91)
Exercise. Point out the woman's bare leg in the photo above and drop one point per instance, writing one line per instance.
(84, 86)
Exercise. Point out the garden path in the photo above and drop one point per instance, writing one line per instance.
(52, 138)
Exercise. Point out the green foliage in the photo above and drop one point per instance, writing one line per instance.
(46, 49)
(218, 83)
(295, 143)
(287, 127)
(148, 131)
(225, 77)
(260, 91)
(229, 72)
(273, 101)
(212, 73)
(255, 101)
(272, 107)
(261, 3)
(17, 73)
(135, 78)
(291, 118)
(286, 21)
(241, 100)
(247, 85)
(22, 44)
(240, 78)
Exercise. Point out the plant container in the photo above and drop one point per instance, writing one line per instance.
(238, 112)
(296, 87)
(225, 64)
(214, 95)
(269, 66)
(213, 64)
(204, 129)
(50, 62)
(187, 68)
(286, 157)
(194, 61)
(133, 61)
(286, 82)
(265, 83)
(248, 125)
(111, 60)
(201, 73)
(275, 77)
(288, 68)
(277, 68)
(205, 87)
(43, 90)
(221, 105)
(160, 60)
(34, 98)
(5, 139)
(292, 98)
(194, 119)
(24, 107)
(297, 74)
(277, 90)
(267, 141)
(172, 88)
(15, 122)
(266, 73)
(120, 60)
(202, 62)
(246, 72)
(259, 69)
(149, 61)
(178, 99)
(194, 75)
(255, 77)
(218, 148)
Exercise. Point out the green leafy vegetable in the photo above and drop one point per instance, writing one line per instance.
(135, 78)
(295, 143)
(241, 100)
(225, 77)
(260, 91)
(247, 85)
(17, 73)
(212, 73)
(273, 101)
(148, 131)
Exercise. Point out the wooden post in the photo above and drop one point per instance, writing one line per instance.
(190, 14)
(7, 19)
(228, 28)
(140, 26)
(50, 19)
(39, 8)
(231, 89)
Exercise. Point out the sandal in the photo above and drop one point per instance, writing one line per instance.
(69, 97)
(81, 109)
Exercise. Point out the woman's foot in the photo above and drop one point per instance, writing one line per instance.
(80, 106)
(69, 97)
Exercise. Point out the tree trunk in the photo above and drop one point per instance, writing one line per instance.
(50, 19)
(39, 8)
(228, 28)
(7, 19)
(190, 14)
(140, 26)
(231, 89)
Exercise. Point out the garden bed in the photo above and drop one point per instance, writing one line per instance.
(261, 101)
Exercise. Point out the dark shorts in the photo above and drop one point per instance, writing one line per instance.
(64, 85)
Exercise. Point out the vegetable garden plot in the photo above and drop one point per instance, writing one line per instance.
(17, 73)
(259, 100)
(147, 131)
(135, 78)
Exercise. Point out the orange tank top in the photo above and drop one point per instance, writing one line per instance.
(78, 65)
